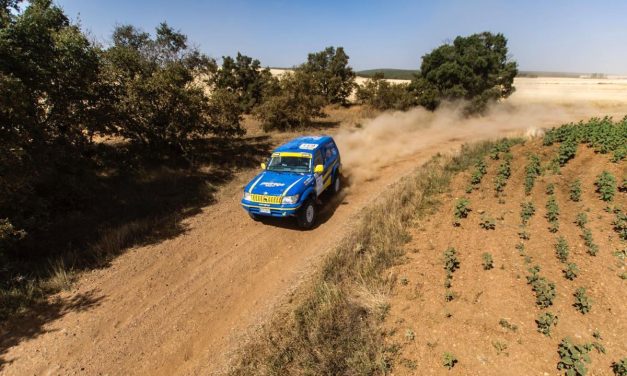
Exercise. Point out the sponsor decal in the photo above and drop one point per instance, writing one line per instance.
(308, 146)
(271, 184)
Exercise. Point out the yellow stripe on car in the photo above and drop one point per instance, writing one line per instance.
(291, 154)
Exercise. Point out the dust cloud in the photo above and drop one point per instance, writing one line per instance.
(392, 136)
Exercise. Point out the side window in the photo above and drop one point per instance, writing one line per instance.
(318, 159)
(328, 153)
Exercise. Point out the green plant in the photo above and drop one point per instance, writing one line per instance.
(620, 225)
(561, 249)
(487, 261)
(606, 186)
(527, 210)
(449, 360)
(462, 208)
(567, 151)
(573, 358)
(591, 247)
(449, 295)
(487, 223)
(409, 335)
(571, 271)
(620, 367)
(545, 322)
(550, 189)
(582, 303)
(581, 220)
(451, 263)
(500, 347)
(552, 213)
(532, 171)
(544, 290)
(524, 235)
(507, 325)
(575, 190)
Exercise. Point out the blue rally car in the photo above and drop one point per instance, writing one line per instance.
(290, 183)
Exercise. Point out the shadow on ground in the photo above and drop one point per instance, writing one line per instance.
(121, 199)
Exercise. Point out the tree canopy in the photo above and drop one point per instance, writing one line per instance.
(334, 78)
(474, 68)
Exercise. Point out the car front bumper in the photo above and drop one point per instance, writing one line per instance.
(280, 211)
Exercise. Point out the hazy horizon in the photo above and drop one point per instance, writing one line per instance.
(560, 36)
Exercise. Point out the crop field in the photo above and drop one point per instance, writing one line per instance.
(522, 268)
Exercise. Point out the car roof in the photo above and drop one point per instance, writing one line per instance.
(306, 144)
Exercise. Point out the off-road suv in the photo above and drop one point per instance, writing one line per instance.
(293, 178)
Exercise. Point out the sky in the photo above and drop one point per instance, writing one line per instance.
(543, 35)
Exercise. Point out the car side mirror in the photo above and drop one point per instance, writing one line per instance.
(319, 169)
(263, 166)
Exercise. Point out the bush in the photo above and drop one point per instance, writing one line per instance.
(561, 249)
(573, 358)
(383, 95)
(449, 360)
(294, 105)
(532, 171)
(527, 210)
(620, 367)
(606, 186)
(620, 225)
(544, 290)
(487, 261)
(487, 223)
(575, 190)
(582, 303)
(462, 208)
(545, 322)
(552, 213)
(451, 263)
(591, 247)
(581, 220)
(571, 271)
(567, 151)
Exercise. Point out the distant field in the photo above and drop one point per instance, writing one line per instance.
(397, 74)
(408, 74)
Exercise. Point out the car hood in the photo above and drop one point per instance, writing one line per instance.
(278, 183)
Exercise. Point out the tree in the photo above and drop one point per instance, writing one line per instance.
(334, 78)
(383, 95)
(243, 76)
(291, 102)
(160, 102)
(474, 68)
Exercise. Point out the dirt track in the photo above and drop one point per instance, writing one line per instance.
(181, 306)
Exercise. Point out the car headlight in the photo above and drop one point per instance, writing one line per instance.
(247, 196)
(290, 199)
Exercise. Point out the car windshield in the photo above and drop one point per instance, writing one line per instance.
(289, 163)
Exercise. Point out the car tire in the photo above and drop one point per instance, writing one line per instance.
(307, 215)
(337, 183)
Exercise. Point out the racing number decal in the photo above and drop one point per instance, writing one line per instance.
(319, 184)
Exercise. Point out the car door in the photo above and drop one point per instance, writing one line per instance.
(330, 155)
(319, 160)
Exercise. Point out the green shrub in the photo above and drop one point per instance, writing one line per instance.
(544, 290)
(567, 151)
(620, 225)
(487, 223)
(462, 208)
(591, 247)
(606, 186)
(552, 213)
(620, 367)
(571, 271)
(527, 210)
(575, 190)
(545, 322)
(561, 249)
(532, 171)
(449, 360)
(581, 220)
(582, 303)
(573, 358)
(550, 189)
(451, 263)
(507, 325)
(480, 170)
(487, 261)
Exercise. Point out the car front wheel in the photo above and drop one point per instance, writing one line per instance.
(307, 215)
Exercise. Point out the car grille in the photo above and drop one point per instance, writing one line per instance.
(265, 199)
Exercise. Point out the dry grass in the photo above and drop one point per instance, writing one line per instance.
(335, 325)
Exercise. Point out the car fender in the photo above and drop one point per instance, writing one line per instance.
(309, 191)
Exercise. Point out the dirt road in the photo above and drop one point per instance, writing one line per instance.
(181, 306)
